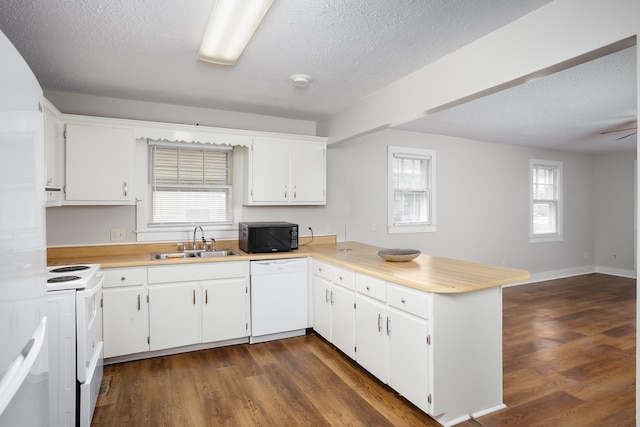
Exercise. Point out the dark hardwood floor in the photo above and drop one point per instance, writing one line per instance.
(569, 360)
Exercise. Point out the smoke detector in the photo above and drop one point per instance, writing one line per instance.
(301, 80)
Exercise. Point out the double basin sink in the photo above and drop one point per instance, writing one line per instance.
(194, 254)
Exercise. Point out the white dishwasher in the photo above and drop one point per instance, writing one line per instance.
(278, 299)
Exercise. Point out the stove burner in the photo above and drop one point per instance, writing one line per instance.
(69, 269)
(59, 279)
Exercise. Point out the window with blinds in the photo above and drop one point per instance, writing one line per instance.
(546, 200)
(189, 184)
(411, 184)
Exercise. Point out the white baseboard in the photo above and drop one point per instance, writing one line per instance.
(575, 271)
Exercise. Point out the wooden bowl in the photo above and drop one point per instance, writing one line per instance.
(398, 255)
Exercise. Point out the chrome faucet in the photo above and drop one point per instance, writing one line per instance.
(204, 242)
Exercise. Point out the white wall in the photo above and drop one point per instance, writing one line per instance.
(482, 205)
(614, 208)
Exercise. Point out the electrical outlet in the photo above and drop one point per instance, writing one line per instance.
(117, 234)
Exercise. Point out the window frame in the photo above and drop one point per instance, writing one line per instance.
(188, 182)
(430, 199)
(144, 233)
(557, 201)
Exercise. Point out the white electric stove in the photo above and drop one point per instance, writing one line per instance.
(75, 342)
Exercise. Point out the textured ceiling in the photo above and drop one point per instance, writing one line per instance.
(567, 110)
(146, 50)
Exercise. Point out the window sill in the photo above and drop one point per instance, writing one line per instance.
(411, 229)
(545, 239)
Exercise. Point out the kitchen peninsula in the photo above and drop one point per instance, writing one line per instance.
(430, 328)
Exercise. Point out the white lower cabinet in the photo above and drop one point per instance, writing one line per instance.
(225, 309)
(334, 306)
(198, 303)
(371, 340)
(392, 343)
(164, 307)
(408, 357)
(442, 352)
(174, 314)
(125, 322)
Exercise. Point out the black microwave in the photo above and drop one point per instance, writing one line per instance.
(261, 237)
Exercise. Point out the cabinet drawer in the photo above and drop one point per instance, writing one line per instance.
(116, 277)
(343, 277)
(372, 287)
(321, 269)
(409, 300)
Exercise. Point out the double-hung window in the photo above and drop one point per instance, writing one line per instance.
(411, 181)
(545, 201)
(189, 184)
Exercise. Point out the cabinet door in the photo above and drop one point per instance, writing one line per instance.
(322, 307)
(174, 315)
(99, 164)
(370, 336)
(408, 357)
(224, 309)
(125, 321)
(308, 167)
(269, 164)
(343, 319)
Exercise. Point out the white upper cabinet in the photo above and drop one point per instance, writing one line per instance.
(285, 172)
(99, 165)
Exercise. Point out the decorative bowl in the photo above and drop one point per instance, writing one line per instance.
(398, 255)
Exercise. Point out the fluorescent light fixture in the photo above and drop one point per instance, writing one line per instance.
(231, 26)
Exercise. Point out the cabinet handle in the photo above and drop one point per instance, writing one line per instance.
(138, 302)
(403, 301)
(206, 296)
(295, 191)
(340, 278)
(285, 191)
(326, 295)
(367, 287)
(379, 322)
(123, 278)
(194, 297)
(388, 326)
(331, 297)
(125, 188)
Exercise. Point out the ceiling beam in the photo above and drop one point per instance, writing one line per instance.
(557, 36)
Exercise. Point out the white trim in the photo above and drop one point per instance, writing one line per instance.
(574, 271)
(393, 151)
(546, 238)
(175, 132)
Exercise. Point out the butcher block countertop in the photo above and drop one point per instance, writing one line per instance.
(426, 272)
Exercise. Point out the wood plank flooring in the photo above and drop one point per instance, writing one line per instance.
(569, 360)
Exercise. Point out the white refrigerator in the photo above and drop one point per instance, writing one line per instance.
(24, 367)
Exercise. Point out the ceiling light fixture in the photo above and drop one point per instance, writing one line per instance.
(231, 26)
(301, 80)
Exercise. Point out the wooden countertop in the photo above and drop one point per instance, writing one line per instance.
(426, 272)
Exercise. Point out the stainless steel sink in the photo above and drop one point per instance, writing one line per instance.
(216, 254)
(196, 254)
(174, 255)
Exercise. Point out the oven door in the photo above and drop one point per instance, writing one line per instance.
(90, 389)
(89, 328)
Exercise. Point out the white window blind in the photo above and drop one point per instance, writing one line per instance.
(189, 185)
